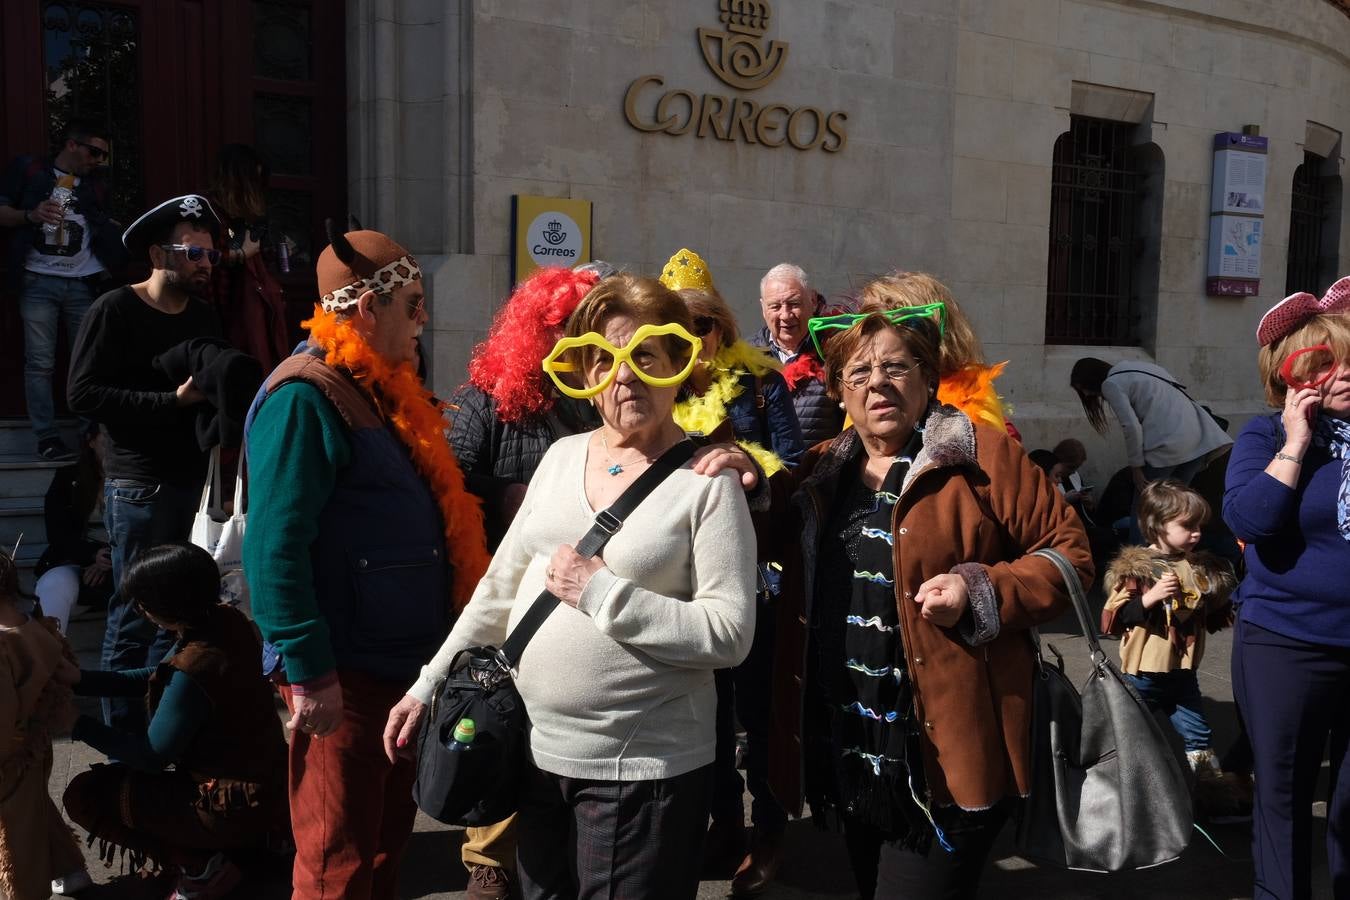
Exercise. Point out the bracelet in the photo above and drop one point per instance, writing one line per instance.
(1298, 460)
(28, 217)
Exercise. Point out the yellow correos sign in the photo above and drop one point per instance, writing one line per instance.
(741, 59)
(549, 231)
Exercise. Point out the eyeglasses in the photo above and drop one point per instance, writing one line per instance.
(642, 354)
(415, 309)
(703, 325)
(94, 151)
(195, 253)
(857, 378)
(821, 326)
(1315, 366)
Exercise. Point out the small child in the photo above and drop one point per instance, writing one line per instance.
(38, 853)
(1164, 598)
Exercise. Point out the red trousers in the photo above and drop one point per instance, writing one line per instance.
(351, 810)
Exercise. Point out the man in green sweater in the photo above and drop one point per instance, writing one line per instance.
(360, 535)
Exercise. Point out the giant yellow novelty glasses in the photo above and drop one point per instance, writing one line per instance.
(645, 355)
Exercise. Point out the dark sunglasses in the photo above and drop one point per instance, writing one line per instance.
(195, 253)
(95, 152)
(703, 325)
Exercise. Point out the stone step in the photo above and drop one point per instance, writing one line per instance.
(16, 436)
(24, 475)
(22, 515)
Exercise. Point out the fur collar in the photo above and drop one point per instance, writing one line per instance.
(1214, 576)
(948, 442)
(1142, 564)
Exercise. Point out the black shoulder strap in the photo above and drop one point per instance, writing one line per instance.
(607, 524)
(1177, 385)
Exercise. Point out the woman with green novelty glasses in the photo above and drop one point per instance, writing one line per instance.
(903, 675)
(619, 679)
(965, 380)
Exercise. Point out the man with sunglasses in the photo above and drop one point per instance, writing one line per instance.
(153, 464)
(59, 254)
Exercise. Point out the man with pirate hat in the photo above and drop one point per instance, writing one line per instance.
(153, 464)
(362, 545)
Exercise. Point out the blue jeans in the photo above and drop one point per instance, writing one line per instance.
(1178, 695)
(46, 302)
(138, 515)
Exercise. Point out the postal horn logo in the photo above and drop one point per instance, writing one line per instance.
(738, 55)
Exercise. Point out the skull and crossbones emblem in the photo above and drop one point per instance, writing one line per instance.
(191, 206)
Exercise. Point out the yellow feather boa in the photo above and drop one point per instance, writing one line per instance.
(707, 411)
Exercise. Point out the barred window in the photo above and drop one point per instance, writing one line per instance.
(1097, 182)
(1314, 233)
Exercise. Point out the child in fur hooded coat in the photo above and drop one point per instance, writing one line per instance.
(1163, 599)
(38, 853)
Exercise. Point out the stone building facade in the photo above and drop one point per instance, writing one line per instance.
(943, 160)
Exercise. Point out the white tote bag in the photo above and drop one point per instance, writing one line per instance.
(222, 534)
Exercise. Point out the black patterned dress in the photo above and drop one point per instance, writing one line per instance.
(861, 737)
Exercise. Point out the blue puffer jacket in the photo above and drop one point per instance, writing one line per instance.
(820, 418)
(773, 427)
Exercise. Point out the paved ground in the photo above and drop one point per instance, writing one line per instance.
(815, 865)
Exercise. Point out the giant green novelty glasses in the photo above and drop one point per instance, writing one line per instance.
(647, 355)
(821, 326)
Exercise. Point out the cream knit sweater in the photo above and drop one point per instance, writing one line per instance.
(620, 688)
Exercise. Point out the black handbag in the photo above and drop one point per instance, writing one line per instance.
(1107, 792)
(477, 783)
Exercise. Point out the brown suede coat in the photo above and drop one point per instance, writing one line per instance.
(973, 505)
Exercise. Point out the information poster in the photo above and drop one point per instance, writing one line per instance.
(1237, 210)
(1243, 175)
(548, 231)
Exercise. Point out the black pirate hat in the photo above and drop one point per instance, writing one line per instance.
(188, 208)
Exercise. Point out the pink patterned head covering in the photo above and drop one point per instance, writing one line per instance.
(1290, 313)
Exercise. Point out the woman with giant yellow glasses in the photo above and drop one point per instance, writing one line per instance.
(618, 681)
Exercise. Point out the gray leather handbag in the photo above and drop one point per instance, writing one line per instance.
(1107, 792)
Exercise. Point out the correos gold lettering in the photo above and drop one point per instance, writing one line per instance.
(679, 111)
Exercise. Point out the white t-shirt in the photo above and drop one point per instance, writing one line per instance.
(67, 254)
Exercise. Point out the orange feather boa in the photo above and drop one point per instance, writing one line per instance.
(419, 421)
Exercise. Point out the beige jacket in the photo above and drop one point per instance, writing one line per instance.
(1170, 635)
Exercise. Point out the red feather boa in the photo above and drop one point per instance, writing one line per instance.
(805, 367)
(419, 421)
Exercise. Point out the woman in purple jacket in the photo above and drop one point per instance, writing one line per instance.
(1288, 498)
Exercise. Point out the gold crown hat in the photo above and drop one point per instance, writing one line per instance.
(687, 269)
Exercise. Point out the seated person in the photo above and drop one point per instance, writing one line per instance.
(1070, 454)
(1068, 457)
(212, 719)
(75, 568)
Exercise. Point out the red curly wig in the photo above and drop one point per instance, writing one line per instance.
(506, 366)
